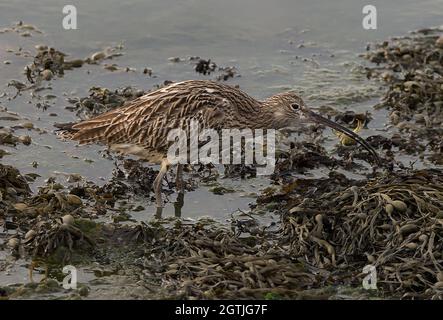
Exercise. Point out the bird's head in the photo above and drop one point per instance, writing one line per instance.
(289, 110)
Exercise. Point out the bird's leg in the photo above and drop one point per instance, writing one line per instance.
(31, 267)
(180, 187)
(158, 186)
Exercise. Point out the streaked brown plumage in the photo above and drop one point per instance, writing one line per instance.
(147, 120)
(142, 127)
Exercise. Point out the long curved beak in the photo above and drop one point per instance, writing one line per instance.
(318, 118)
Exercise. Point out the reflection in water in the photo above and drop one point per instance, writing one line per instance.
(178, 204)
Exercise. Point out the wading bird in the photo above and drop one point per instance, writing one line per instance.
(141, 127)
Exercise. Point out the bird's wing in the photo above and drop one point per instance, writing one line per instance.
(147, 120)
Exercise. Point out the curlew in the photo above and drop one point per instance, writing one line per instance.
(141, 127)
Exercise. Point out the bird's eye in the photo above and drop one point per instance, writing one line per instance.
(295, 106)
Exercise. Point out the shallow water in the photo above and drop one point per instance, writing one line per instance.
(262, 39)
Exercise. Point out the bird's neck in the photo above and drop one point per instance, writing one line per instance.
(256, 117)
(267, 115)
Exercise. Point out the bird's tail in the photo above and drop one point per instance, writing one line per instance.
(91, 130)
(88, 131)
